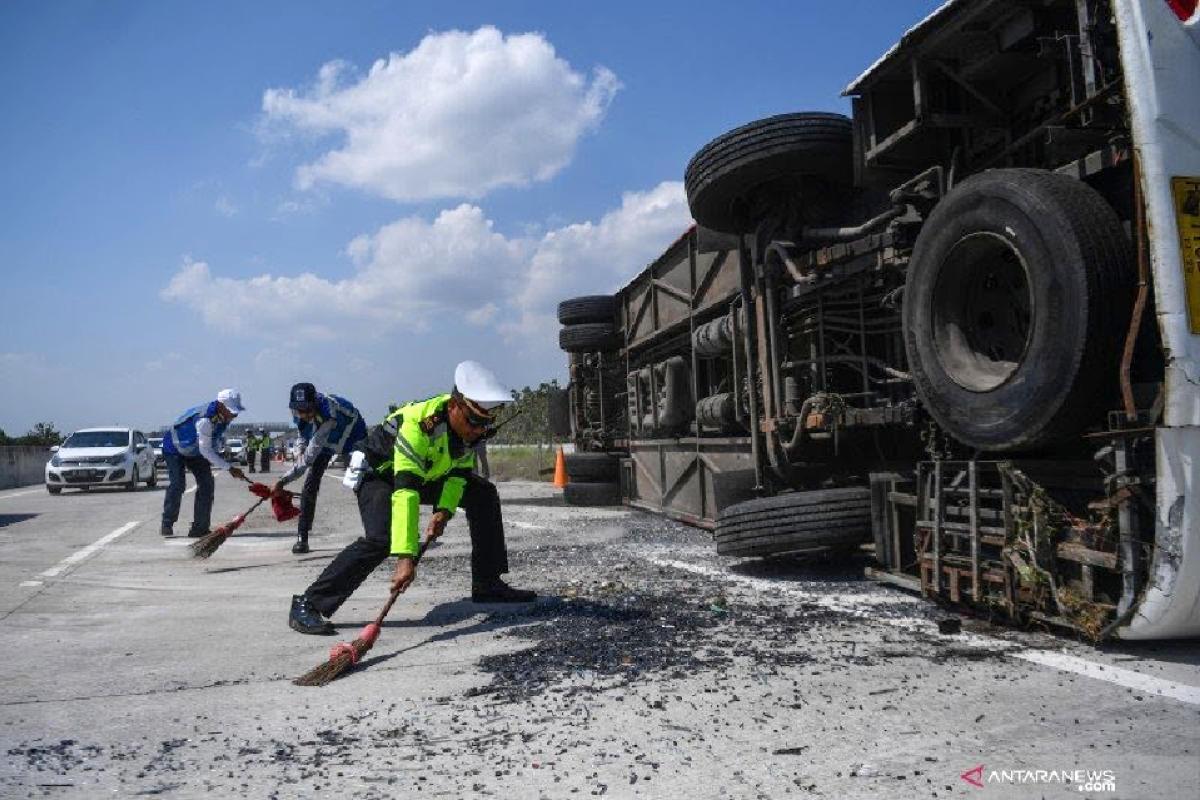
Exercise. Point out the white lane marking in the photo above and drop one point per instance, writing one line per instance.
(18, 494)
(1118, 675)
(31, 583)
(849, 603)
(80, 555)
(1060, 661)
(529, 526)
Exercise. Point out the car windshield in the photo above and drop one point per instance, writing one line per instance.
(98, 439)
(235, 442)
(155, 441)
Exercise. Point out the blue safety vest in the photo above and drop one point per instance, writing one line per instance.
(348, 426)
(182, 438)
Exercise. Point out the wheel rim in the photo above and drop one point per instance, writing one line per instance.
(982, 312)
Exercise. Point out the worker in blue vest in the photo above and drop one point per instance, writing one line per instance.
(189, 445)
(329, 426)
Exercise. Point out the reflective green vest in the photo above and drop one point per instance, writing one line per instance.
(420, 456)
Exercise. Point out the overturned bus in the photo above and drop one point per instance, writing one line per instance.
(960, 328)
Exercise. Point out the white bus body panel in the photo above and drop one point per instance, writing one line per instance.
(1161, 61)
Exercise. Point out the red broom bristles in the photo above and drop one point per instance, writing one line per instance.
(342, 657)
(345, 655)
(206, 545)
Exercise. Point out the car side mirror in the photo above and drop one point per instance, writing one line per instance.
(141, 448)
(54, 449)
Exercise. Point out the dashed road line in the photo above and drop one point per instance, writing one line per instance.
(18, 494)
(87, 552)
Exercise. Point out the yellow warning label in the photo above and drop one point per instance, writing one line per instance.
(1187, 215)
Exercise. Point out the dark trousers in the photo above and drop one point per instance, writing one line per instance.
(202, 471)
(251, 455)
(480, 501)
(308, 496)
(265, 459)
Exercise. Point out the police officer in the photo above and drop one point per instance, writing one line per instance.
(329, 425)
(189, 444)
(264, 450)
(251, 450)
(422, 453)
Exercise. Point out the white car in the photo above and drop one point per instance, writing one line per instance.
(160, 461)
(101, 457)
(234, 451)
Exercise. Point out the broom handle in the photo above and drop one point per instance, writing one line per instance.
(392, 599)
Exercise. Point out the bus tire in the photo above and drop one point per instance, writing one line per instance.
(723, 177)
(795, 522)
(1016, 303)
(592, 467)
(587, 493)
(588, 337)
(589, 308)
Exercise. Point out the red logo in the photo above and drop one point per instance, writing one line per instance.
(974, 776)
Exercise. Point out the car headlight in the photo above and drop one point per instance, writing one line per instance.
(118, 459)
(55, 461)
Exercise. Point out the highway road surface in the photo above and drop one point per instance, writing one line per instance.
(650, 667)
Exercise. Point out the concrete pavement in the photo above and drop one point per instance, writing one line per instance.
(649, 668)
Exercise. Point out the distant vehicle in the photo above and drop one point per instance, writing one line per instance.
(101, 457)
(234, 451)
(159, 461)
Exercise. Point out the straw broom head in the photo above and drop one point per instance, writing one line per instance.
(206, 545)
(342, 657)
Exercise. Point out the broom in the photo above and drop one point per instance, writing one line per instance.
(344, 655)
(206, 545)
(281, 504)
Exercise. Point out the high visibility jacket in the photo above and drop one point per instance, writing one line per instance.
(415, 448)
(348, 426)
(182, 437)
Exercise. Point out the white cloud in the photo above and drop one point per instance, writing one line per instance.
(226, 207)
(285, 364)
(160, 364)
(414, 275)
(482, 315)
(300, 205)
(22, 361)
(458, 116)
(597, 257)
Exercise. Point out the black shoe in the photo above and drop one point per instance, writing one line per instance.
(305, 618)
(197, 534)
(301, 545)
(497, 591)
(167, 530)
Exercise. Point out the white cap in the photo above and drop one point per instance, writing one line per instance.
(231, 399)
(479, 384)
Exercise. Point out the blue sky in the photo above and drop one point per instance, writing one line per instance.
(360, 194)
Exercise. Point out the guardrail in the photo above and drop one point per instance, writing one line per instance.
(22, 465)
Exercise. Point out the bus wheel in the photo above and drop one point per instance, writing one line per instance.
(795, 522)
(1016, 301)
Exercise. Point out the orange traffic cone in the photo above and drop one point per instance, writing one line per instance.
(560, 469)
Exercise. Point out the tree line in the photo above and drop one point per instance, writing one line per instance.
(43, 434)
(526, 421)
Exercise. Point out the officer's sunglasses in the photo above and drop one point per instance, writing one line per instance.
(477, 422)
